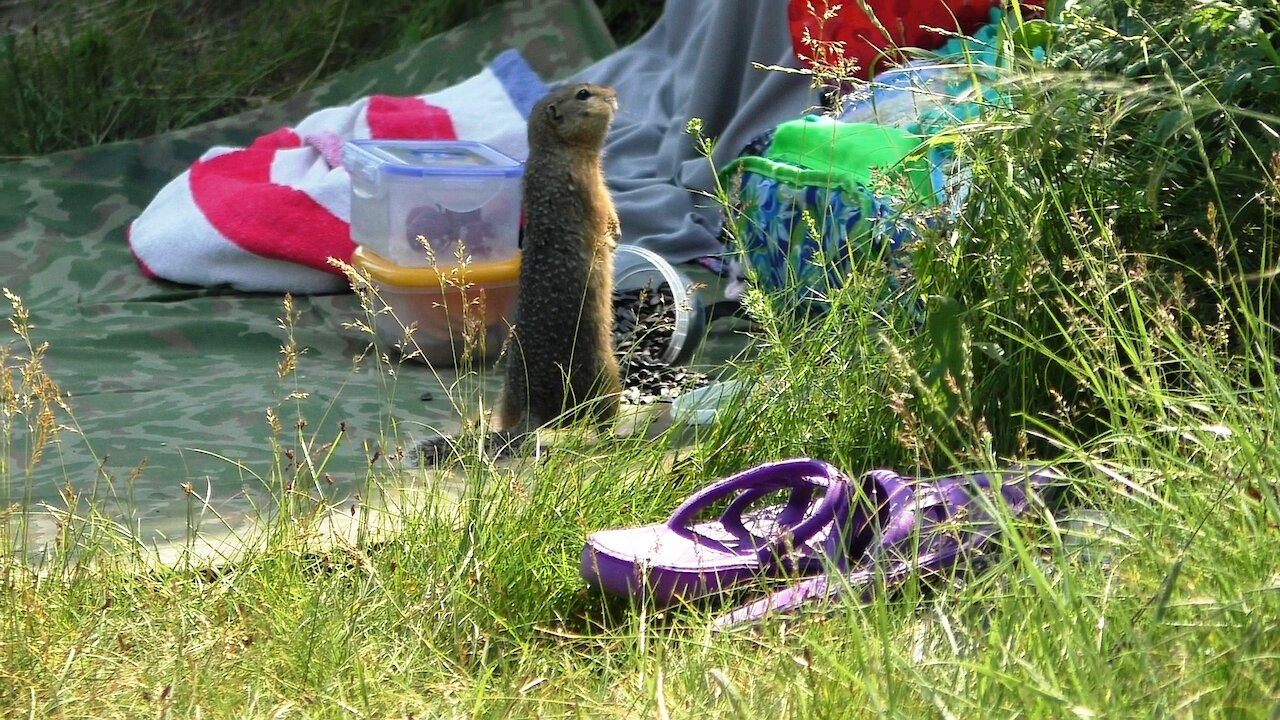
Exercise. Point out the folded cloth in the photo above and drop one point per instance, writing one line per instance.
(268, 217)
(702, 59)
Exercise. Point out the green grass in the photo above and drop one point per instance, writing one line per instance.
(84, 74)
(1132, 344)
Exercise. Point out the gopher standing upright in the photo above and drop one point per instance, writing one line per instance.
(560, 363)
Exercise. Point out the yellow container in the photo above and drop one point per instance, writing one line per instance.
(456, 308)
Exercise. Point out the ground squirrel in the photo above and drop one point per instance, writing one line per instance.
(560, 362)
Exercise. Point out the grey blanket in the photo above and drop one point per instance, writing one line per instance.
(696, 62)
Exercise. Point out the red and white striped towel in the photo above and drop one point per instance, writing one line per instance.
(268, 217)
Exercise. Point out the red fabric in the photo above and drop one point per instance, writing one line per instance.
(408, 118)
(282, 139)
(235, 193)
(902, 18)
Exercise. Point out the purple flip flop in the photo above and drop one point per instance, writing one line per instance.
(682, 560)
(932, 526)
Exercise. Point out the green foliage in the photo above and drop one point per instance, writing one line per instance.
(132, 68)
(1126, 199)
(120, 69)
(1193, 91)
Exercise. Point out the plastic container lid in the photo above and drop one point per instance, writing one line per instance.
(823, 152)
(428, 158)
(406, 276)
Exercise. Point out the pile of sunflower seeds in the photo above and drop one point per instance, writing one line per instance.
(644, 321)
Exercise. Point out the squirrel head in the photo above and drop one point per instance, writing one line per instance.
(576, 114)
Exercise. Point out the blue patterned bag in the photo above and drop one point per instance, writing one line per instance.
(822, 203)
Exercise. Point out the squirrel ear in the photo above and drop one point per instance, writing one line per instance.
(554, 114)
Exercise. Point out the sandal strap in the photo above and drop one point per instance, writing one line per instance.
(796, 507)
(927, 501)
(803, 476)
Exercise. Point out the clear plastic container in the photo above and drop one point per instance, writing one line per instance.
(447, 301)
(447, 304)
(635, 268)
(422, 202)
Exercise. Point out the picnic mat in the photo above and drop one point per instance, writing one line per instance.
(173, 388)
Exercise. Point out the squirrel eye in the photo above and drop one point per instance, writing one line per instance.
(583, 94)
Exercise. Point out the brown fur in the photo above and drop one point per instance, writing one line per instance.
(560, 362)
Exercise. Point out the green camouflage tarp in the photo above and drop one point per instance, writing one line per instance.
(171, 385)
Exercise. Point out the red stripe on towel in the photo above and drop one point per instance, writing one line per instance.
(282, 139)
(235, 193)
(408, 118)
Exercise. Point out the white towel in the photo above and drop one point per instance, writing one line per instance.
(268, 217)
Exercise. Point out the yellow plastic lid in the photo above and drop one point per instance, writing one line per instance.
(481, 273)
